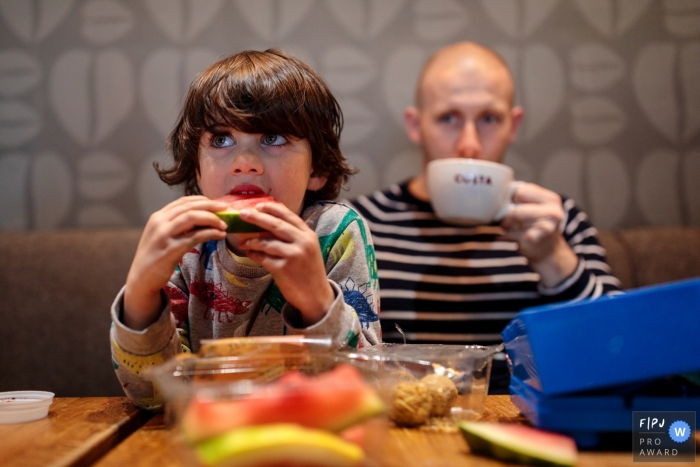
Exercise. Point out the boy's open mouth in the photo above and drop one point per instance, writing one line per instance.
(247, 190)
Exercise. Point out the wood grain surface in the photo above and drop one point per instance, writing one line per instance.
(402, 447)
(88, 432)
(76, 432)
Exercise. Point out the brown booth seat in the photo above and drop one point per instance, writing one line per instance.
(57, 287)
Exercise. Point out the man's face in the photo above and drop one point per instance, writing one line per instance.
(464, 111)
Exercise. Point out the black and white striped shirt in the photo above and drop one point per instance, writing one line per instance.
(448, 284)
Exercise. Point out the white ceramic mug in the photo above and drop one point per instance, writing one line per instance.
(470, 191)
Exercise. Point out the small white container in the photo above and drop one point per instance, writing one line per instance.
(24, 406)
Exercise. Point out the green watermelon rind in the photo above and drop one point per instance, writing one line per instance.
(276, 443)
(236, 224)
(493, 441)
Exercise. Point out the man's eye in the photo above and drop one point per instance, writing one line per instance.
(449, 118)
(221, 141)
(274, 140)
(490, 119)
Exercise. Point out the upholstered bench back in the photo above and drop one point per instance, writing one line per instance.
(56, 288)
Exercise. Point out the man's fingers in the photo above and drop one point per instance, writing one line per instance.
(525, 215)
(531, 193)
(529, 233)
(511, 236)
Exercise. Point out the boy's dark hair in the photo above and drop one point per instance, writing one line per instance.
(255, 92)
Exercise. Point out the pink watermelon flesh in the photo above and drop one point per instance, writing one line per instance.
(332, 401)
(238, 202)
(519, 443)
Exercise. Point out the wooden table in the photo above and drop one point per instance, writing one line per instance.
(95, 431)
(77, 432)
(404, 447)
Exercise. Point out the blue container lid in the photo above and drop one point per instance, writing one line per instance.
(573, 347)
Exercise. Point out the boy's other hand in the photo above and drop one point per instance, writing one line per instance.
(293, 257)
(167, 236)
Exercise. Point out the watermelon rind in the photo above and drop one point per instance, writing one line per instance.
(236, 224)
(278, 443)
(523, 445)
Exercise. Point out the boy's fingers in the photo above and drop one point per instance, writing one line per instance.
(184, 200)
(187, 203)
(195, 219)
(270, 247)
(256, 256)
(195, 237)
(270, 263)
(278, 227)
(280, 211)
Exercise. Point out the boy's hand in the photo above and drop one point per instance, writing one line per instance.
(293, 257)
(534, 224)
(168, 235)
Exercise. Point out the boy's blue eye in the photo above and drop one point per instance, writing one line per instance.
(221, 141)
(274, 140)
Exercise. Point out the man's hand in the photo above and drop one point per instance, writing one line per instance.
(534, 224)
(293, 257)
(168, 235)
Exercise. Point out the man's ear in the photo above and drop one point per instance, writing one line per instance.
(516, 116)
(316, 182)
(411, 120)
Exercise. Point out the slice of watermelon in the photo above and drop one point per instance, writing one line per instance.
(232, 215)
(519, 443)
(332, 401)
(279, 444)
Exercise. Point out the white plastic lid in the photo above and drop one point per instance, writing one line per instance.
(24, 406)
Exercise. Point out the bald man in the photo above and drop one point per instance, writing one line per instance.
(448, 284)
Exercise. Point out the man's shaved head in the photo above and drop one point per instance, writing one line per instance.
(466, 58)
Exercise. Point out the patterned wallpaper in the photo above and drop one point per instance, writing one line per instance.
(89, 89)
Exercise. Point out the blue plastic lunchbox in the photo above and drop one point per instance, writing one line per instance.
(645, 333)
(599, 417)
(583, 368)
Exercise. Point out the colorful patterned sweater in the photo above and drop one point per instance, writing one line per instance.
(210, 295)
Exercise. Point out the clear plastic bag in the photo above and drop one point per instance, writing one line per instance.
(467, 366)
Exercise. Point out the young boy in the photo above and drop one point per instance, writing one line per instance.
(253, 123)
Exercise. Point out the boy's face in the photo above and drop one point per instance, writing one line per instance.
(232, 162)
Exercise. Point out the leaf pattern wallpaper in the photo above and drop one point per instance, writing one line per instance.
(89, 89)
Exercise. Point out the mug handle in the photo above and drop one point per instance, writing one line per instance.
(509, 204)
